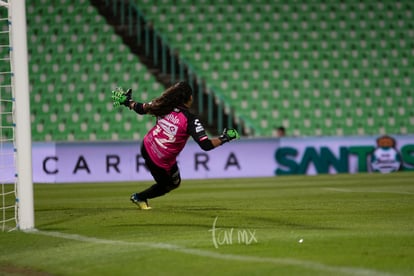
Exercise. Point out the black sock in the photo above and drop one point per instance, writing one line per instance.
(155, 190)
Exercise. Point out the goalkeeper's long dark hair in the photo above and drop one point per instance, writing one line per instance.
(175, 96)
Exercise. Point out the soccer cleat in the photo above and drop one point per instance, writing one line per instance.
(142, 204)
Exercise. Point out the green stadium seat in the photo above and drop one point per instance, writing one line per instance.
(299, 58)
(76, 59)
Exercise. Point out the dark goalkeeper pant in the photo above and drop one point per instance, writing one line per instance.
(166, 181)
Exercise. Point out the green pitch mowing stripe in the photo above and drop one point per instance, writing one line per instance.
(320, 268)
(300, 225)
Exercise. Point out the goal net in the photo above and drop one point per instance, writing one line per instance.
(16, 187)
(7, 156)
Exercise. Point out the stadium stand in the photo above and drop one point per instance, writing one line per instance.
(75, 60)
(316, 67)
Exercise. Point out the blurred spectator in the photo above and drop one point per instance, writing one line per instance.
(281, 131)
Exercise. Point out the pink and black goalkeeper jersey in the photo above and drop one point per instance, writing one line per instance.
(170, 134)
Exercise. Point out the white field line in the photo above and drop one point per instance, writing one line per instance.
(215, 255)
(368, 191)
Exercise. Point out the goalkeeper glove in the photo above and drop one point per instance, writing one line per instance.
(228, 135)
(120, 97)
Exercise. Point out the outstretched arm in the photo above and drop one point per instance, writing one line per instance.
(208, 144)
(216, 142)
(121, 97)
(197, 131)
(140, 108)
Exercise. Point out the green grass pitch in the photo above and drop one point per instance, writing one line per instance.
(360, 224)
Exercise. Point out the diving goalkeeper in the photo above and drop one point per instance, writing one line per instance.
(162, 144)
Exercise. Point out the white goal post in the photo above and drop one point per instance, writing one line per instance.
(22, 138)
